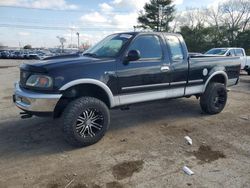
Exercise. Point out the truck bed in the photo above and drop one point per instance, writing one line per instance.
(231, 65)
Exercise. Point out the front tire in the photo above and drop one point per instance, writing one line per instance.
(214, 98)
(85, 121)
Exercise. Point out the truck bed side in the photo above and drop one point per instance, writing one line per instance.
(205, 68)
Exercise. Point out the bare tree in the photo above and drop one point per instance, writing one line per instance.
(214, 16)
(191, 17)
(236, 15)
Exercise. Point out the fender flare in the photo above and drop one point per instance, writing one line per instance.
(223, 73)
(94, 82)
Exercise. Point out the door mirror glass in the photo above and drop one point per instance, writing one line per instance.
(133, 55)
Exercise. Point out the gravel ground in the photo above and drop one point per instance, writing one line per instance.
(144, 146)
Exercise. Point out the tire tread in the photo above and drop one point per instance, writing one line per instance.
(205, 99)
(69, 116)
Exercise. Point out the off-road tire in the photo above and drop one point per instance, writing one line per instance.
(79, 108)
(214, 98)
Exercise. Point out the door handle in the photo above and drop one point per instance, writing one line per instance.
(165, 68)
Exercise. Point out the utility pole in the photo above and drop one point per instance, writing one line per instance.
(78, 34)
(19, 45)
(71, 30)
(159, 17)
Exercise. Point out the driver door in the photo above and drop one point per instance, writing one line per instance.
(143, 77)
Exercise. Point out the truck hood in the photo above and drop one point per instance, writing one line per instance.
(47, 65)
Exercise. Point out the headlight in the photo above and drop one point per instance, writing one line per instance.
(40, 81)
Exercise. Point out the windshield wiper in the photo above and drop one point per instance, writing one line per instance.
(90, 54)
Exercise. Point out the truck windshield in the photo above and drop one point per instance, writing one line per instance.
(217, 51)
(108, 47)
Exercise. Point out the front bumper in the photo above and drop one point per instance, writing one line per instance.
(34, 102)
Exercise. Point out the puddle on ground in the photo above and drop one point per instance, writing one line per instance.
(114, 184)
(206, 155)
(53, 185)
(77, 185)
(126, 169)
(81, 185)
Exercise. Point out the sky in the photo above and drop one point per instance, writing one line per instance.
(39, 22)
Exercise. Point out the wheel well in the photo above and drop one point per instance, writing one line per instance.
(219, 78)
(74, 92)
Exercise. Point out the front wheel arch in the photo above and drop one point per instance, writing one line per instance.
(81, 90)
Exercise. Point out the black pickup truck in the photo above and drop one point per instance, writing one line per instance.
(121, 70)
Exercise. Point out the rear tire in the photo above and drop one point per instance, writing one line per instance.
(214, 98)
(85, 121)
(248, 72)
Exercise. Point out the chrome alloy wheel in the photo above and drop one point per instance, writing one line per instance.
(89, 123)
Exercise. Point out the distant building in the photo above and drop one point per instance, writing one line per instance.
(3, 48)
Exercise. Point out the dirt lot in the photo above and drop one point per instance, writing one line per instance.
(144, 147)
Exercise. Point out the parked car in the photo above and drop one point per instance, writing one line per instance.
(121, 70)
(17, 55)
(33, 55)
(25, 54)
(62, 56)
(192, 54)
(238, 52)
(11, 54)
(5, 54)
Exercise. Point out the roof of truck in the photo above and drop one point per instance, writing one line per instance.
(147, 32)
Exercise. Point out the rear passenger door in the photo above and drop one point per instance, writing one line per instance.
(179, 64)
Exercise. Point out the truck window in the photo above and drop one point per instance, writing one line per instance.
(148, 45)
(175, 48)
(231, 53)
(239, 52)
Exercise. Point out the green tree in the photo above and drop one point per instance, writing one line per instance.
(236, 17)
(243, 40)
(28, 46)
(201, 38)
(157, 15)
(217, 36)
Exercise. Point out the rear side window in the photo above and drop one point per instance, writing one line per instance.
(175, 48)
(231, 53)
(148, 45)
(239, 52)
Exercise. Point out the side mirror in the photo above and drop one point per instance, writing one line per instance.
(133, 55)
(229, 54)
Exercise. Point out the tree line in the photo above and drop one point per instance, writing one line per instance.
(223, 25)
